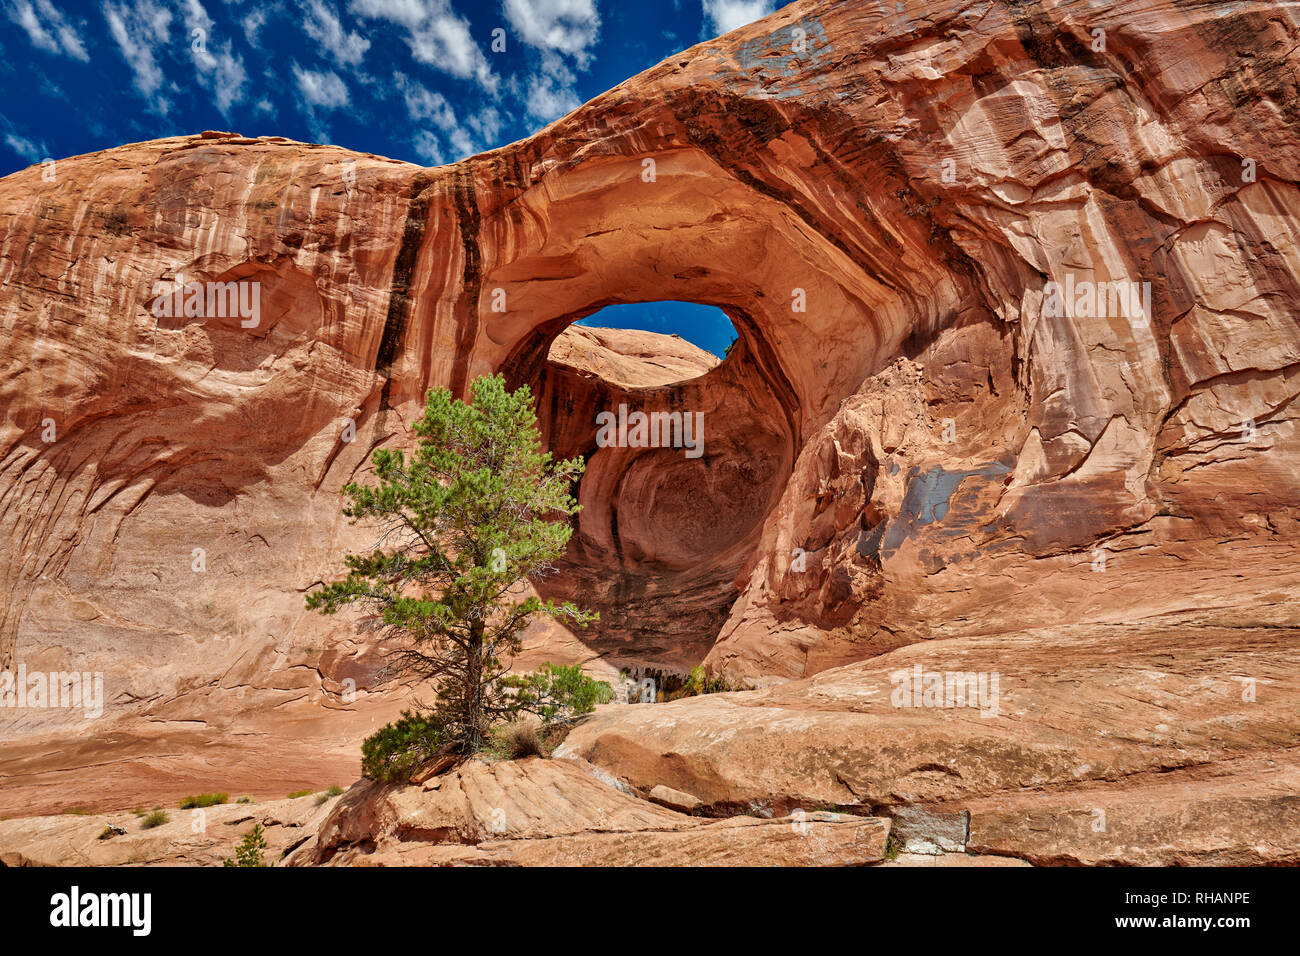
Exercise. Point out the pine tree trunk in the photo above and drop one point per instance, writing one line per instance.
(474, 690)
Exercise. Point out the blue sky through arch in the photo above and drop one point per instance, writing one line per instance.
(704, 325)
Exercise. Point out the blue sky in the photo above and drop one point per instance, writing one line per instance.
(427, 81)
(706, 326)
(418, 80)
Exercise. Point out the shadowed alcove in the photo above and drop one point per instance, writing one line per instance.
(666, 524)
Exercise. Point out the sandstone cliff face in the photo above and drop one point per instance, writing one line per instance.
(909, 440)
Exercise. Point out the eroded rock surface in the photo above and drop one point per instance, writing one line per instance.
(538, 812)
(910, 445)
(205, 837)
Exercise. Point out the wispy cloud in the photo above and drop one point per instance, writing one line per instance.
(26, 148)
(252, 24)
(320, 89)
(437, 36)
(47, 28)
(465, 135)
(571, 27)
(221, 72)
(139, 29)
(428, 146)
(552, 89)
(347, 48)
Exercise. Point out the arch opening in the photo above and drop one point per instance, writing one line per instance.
(686, 451)
(669, 341)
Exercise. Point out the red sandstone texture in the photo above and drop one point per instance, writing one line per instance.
(912, 455)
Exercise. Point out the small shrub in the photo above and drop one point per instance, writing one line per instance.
(893, 846)
(77, 811)
(556, 692)
(516, 740)
(111, 831)
(248, 852)
(327, 795)
(698, 682)
(301, 793)
(392, 754)
(155, 819)
(244, 800)
(205, 800)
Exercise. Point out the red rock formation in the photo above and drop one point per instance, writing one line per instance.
(907, 441)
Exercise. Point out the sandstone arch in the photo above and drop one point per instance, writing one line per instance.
(822, 170)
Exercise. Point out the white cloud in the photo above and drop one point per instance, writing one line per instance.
(486, 127)
(221, 72)
(253, 24)
(423, 104)
(47, 28)
(728, 15)
(436, 35)
(198, 27)
(565, 26)
(26, 148)
(551, 91)
(323, 89)
(324, 26)
(465, 135)
(138, 30)
(426, 144)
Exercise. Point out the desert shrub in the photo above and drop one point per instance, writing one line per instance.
(516, 740)
(300, 793)
(556, 692)
(248, 852)
(392, 753)
(698, 682)
(205, 800)
(244, 800)
(326, 795)
(155, 819)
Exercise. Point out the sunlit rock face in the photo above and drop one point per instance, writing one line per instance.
(945, 414)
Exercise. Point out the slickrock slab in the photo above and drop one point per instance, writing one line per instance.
(559, 813)
(190, 838)
(738, 841)
(1183, 738)
(1242, 813)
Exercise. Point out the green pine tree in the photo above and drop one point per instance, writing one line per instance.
(463, 522)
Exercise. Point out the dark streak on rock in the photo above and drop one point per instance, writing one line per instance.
(470, 219)
(399, 301)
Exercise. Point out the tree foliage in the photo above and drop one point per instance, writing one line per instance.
(555, 692)
(463, 522)
(392, 753)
